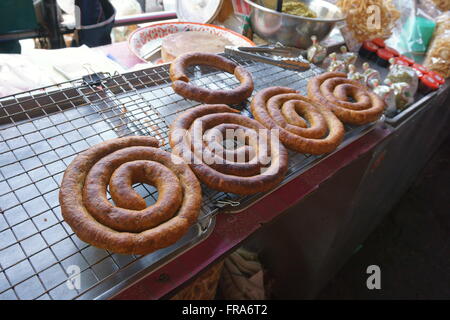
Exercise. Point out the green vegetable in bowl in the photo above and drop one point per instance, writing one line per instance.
(298, 9)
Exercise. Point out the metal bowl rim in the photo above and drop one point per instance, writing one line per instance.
(258, 6)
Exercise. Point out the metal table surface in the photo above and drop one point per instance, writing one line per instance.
(263, 218)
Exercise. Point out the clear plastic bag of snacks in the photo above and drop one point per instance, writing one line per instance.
(438, 55)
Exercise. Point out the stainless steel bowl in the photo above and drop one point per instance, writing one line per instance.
(291, 30)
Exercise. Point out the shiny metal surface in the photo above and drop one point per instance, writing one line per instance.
(292, 30)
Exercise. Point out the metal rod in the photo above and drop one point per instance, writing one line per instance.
(119, 22)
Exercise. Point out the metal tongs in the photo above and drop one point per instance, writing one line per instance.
(278, 55)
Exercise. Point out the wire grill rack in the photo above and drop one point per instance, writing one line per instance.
(41, 131)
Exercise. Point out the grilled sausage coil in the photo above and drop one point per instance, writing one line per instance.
(129, 226)
(303, 125)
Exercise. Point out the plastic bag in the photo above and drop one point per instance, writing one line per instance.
(438, 56)
(414, 29)
(402, 74)
(443, 5)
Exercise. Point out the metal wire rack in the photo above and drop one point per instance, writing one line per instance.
(43, 130)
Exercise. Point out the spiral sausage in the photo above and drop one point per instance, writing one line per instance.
(334, 90)
(182, 86)
(286, 110)
(258, 165)
(129, 226)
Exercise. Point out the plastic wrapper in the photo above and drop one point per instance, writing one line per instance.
(234, 15)
(352, 43)
(316, 53)
(370, 75)
(416, 33)
(443, 5)
(442, 24)
(402, 74)
(355, 75)
(438, 56)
